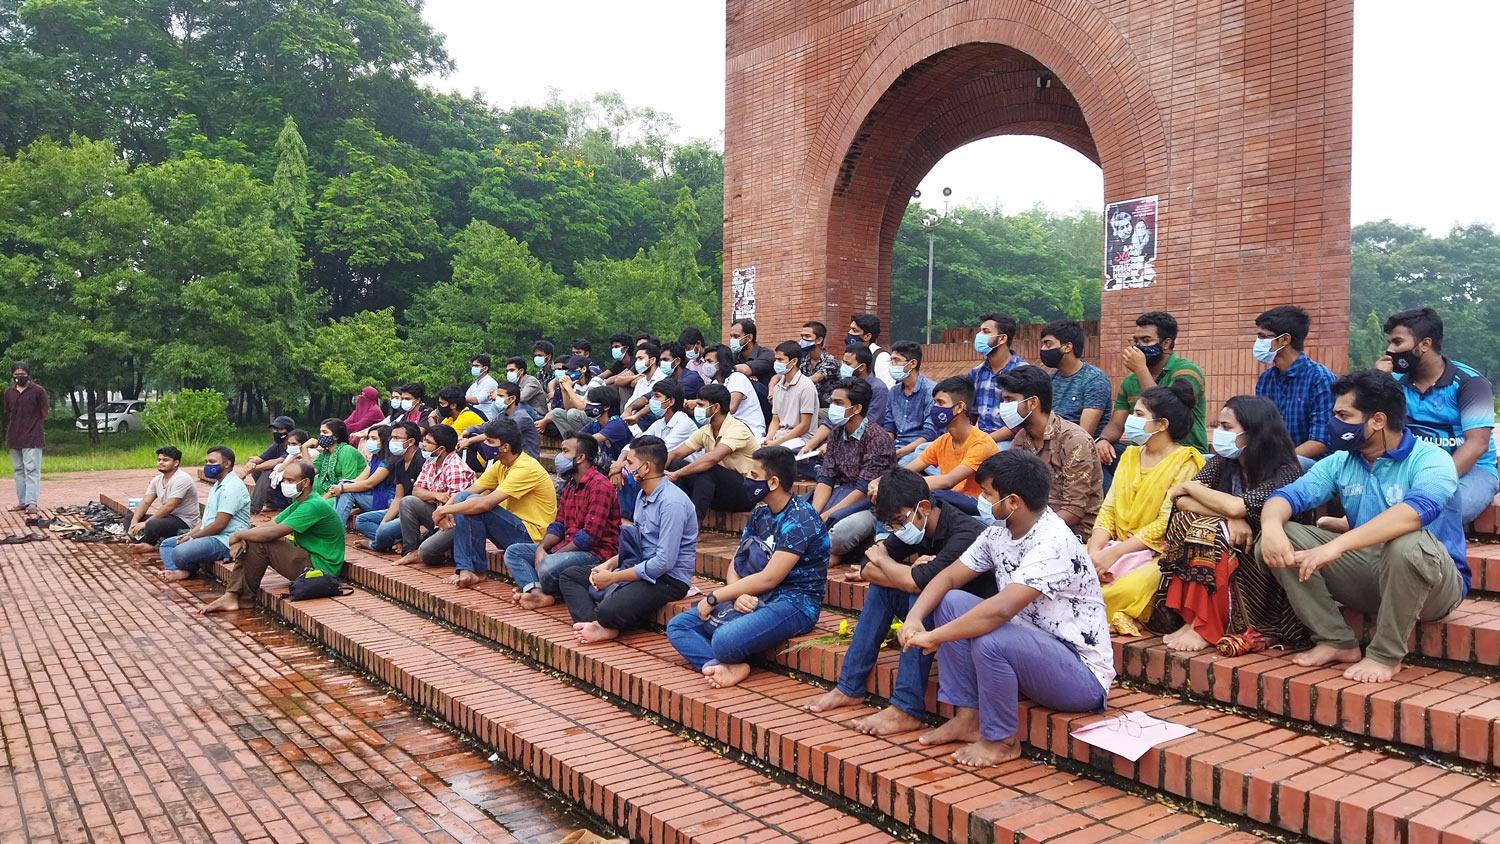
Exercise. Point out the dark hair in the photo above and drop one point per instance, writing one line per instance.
(415, 388)
(673, 348)
(444, 435)
(1286, 319)
(1166, 324)
(650, 348)
(690, 336)
(958, 389)
(1006, 324)
(1066, 331)
(723, 360)
(298, 434)
(588, 447)
(21, 365)
(713, 393)
(858, 391)
(908, 350)
(867, 323)
(780, 463)
(622, 338)
(862, 355)
(1175, 404)
(1375, 392)
(1268, 446)
(506, 431)
(484, 360)
(900, 490)
(820, 330)
(584, 344)
(1016, 472)
(517, 362)
(383, 436)
(337, 427)
(508, 388)
(608, 397)
(223, 451)
(747, 327)
(453, 396)
(791, 348)
(1028, 381)
(1424, 324)
(412, 429)
(648, 338)
(543, 346)
(669, 388)
(171, 451)
(650, 449)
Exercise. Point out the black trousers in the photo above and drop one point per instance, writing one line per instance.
(632, 604)
(719, 488)
(158, 528)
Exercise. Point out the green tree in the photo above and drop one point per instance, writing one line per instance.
(1366, 342)
(289, 190)
(351, 353)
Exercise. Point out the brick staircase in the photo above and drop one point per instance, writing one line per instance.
(628, 731)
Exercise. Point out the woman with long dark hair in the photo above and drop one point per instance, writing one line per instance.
(1213, 592)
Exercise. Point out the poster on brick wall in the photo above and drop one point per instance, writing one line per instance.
(1130, 243)
(742, 286)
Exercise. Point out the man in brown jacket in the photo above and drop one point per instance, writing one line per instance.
(26, 406)
(1068, 450)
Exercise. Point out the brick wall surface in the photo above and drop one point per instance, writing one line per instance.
(1236, 114)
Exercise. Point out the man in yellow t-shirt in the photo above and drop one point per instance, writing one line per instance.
(716, 480)
(958, 452)
(514, 502)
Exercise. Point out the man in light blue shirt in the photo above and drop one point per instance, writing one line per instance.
(1403, 558)
(658, 553)
(227, 511)
(910, 403)
(480, 395)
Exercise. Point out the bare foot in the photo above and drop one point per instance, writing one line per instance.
(536, 599)
(724, 676)
(364, 545)
(1370, 670)
(593, 631)
(831, 700)
(854, 575)
(961, 727)
(983, 754)
(227, 602)
(172, 576)
(1319, 655)
(464, 579)
(142, 548)
(1185, 639)
(887, 722)
(410, 558)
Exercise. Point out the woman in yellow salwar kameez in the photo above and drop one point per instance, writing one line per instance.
(1127, 536)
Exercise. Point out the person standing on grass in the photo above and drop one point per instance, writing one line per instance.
(179, 503)
(307, 534)
(26, 407)
(227, 511)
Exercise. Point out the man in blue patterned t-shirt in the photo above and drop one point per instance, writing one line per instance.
(775, 587)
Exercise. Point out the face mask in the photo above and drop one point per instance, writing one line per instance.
(1135, 430)
(898, 373)
(474, 371)
(289, 489)
(851, 338)
(313, 451)
(756, 491)
(941, 417)
(593, 411)
(806, 344)
(575, 374)
(665, 369)
(372, 446)
(846, 371)
(1404, 362)
(427, 455)
(734, 344)
(692, 354)
(213, 471)
(1226, 444)
(1050, 358)
(1263, 351)
(23, 380)
(986, 514)
(710, 370)
(982, 344)
(617, 353)
(398, 447)
(910, 533)
(563, 464)
(325, 440)
(631, 476)
(640, 367)
(278, 436)
(657, 408)
(1345, 436)
(1152, 353)
(780, 368)
(402, 404)
(1010, 414)
(838, 414)
(700, 416)
(512, 376)
(539, 360)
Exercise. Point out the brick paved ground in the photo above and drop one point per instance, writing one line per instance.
(126, 717)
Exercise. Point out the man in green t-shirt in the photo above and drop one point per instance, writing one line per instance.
(307, 534)
(1151, 361)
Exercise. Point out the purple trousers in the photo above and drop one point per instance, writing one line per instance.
(990, 672)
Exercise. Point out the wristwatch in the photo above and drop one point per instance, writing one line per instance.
(712, 599)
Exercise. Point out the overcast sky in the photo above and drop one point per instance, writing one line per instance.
(1425, 120)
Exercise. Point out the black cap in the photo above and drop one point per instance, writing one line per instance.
(286, 423)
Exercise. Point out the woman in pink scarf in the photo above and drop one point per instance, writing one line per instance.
(366, 413)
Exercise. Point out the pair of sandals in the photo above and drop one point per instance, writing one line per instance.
(21, 538)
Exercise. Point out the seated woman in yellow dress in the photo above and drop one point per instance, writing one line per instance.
(1127, 538)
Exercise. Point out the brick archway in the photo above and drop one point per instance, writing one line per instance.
(1236, 118)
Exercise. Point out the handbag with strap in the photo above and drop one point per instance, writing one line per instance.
(313, 583)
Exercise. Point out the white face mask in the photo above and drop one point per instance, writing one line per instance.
(289, 489)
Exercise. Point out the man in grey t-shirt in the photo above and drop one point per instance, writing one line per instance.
(175, 500)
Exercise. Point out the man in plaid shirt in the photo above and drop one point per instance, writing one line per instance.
(444, 475)
(586, 533)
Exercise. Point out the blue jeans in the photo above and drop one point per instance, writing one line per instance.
(497, 524)
(365, 501)
(381, 535)
(520, 562)
(191, 555)
(738, 640)
(1476, 491)
(882, 606)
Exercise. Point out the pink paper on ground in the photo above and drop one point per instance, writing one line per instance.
(1130, 734)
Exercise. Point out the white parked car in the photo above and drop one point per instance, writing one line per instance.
(115, 417)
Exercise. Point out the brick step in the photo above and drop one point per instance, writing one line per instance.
(913, 785)
(652, 784)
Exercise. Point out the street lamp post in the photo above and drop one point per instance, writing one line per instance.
(929, 224)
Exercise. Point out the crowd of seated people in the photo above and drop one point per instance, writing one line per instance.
(1013, 517)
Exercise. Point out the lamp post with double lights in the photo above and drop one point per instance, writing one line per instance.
(930, 221)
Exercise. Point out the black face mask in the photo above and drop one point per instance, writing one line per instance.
(1051, 358)
(1153, 353)
(22, 380)
(1404, 362)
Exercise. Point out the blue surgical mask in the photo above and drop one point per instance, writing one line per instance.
(734, 344)
(1135, 430)
(806, 344)
(1226, 444)
(1345, 436)
(700, 415)
(539, 360)
(898, 373)
(563, 464)
(656, 406)
(372, 446)
(692, 354)
(982, 344)
(666, 368)
(640, 366)
(213, 471)
(474, 371)
(910, 533)
(781, 368)
(986, 514)
(398, 447)
(1263, 351)
(846, 371)
(428, 455)
(756, 491)
(837, 414)
(710, 370)
(617, 353)
(512, 376)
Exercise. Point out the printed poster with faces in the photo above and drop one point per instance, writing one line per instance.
(1130, 243)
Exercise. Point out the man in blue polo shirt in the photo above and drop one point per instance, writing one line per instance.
(1402, 559)
(1294, 382)
(1448, 403)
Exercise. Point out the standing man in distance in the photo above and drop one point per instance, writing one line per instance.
(26, 407)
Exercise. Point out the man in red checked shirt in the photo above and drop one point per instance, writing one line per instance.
(586, 533)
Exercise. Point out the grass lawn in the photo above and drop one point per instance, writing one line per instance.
(69, 450)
